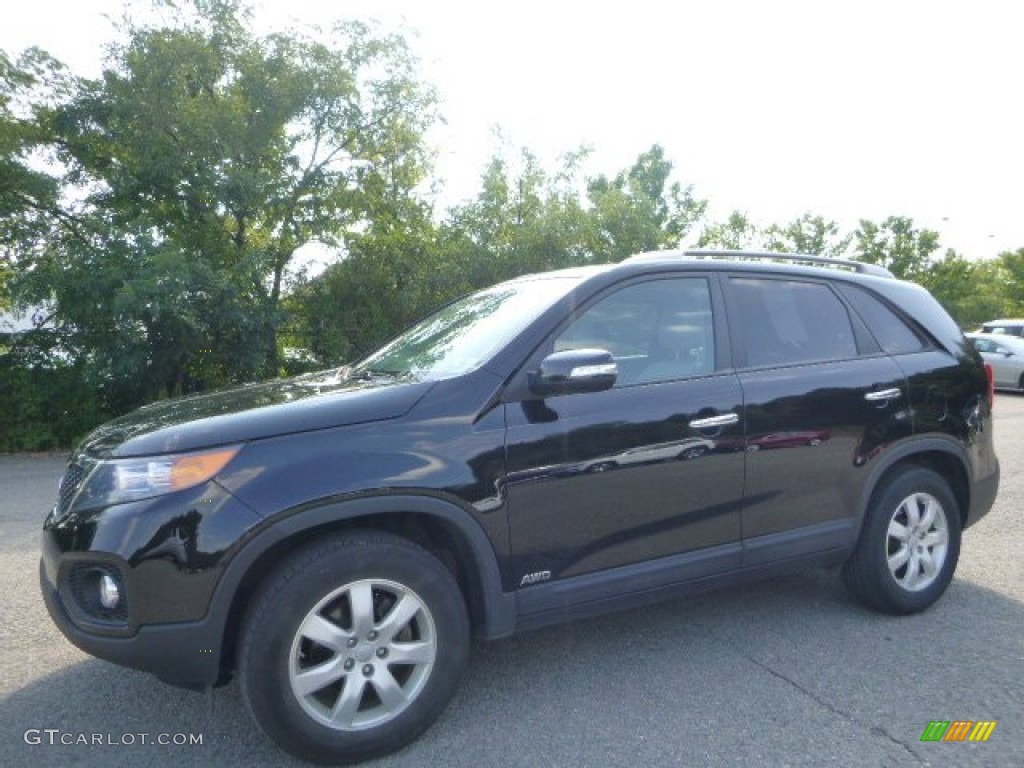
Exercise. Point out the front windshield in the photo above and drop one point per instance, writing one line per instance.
(465, 334)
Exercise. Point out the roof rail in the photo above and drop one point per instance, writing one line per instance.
(794, 258)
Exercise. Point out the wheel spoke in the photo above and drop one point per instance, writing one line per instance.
(936, 538)
(317, 678)
(928, 562)
(400, 615)
(412, 653)
(898, 531)
(912, 511)
(360, 597)
(931, 508)
(913, 571)
(326, 633)
(347, 706)
(391, 694)
(897, 559)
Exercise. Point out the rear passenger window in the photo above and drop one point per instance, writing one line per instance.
(888, 328)
(785, 322)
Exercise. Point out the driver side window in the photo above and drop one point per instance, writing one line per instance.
(658, 330)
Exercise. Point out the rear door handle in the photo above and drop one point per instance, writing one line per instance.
(883, 395)
(724, 420)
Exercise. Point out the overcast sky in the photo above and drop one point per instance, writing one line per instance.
(849, 109)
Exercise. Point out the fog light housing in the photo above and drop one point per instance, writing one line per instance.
(97, 592)
(110, 592)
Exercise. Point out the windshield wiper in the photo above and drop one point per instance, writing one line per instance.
(366, 374)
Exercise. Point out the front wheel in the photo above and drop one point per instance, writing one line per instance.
(353, 647)
(909, 544)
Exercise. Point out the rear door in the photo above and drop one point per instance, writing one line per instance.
(821, 402)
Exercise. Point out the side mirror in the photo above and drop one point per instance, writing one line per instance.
(575, 370)
(1007, 353)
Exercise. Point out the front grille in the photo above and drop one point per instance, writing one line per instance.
(69, 487)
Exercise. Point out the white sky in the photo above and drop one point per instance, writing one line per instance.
(852, 109)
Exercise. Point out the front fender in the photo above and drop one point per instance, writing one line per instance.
(499, 607)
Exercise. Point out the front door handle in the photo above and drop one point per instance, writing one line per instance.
(882, 395)
(724, 420)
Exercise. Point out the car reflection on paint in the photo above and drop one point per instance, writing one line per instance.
(676, 450)
(789, 439)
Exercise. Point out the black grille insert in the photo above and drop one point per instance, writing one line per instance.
(68, 487)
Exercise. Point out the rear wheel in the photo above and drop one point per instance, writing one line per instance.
(909, 544)
(353, 647)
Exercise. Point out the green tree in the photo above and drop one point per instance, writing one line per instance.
(737, 232)
(808, 234)
(523, 220)
(896, 245)
(982, 295)
(1010, 265)
(27, 195)
(205, 156)
(640, 209)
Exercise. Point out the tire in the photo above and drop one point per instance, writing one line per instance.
(349, 607)
(909, 544)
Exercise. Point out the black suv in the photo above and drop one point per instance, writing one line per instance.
(547, 449)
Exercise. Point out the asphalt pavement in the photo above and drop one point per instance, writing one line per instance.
(789, 672)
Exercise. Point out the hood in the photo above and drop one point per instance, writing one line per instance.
(285, 406)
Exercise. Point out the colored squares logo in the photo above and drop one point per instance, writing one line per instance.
(959, 730)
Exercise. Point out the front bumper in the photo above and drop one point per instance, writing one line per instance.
(167, 556)
(186, 654)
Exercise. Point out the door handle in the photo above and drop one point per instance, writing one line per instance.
(724, 420)
(883, 394)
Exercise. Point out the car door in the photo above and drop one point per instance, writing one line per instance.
(821, 401)
(640, 485)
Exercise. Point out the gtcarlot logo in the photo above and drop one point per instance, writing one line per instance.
(55, 736)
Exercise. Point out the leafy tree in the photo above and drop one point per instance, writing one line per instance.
(951, 280)
(639, 209)
(27, 195)
(896, 245)
(808, 234)
(1011, 270)
(735, 233)
(982, 295)
(204, 157)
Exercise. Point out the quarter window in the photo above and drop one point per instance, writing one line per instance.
(888, 328)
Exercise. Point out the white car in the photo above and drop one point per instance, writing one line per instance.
(1005, 354)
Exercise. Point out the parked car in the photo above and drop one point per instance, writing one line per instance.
(1008, 326)
(1006, 356)
(332, 540)
(811, 437)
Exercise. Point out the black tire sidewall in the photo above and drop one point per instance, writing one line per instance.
(284, 603)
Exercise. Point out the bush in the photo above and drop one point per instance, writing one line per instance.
(45, 407)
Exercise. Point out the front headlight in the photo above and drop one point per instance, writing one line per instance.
(116, 481)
